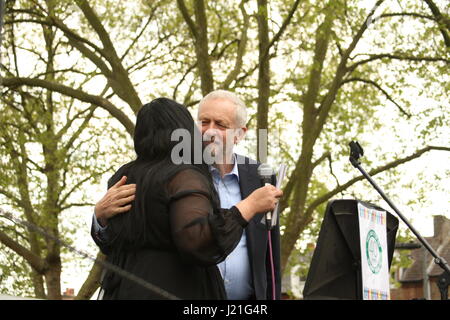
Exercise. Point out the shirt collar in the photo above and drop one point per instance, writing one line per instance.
(234, 171)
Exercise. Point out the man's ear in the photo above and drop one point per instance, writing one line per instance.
(240, 134)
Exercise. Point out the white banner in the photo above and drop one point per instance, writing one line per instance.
(374, 253)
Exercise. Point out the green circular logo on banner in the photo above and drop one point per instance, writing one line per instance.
(373, 252)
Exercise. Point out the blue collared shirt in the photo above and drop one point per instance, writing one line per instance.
(235, 269)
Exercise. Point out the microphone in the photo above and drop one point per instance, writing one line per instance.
(265, 173)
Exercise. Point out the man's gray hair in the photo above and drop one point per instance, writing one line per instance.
(241, 109)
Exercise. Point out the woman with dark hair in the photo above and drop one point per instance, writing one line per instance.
(175, 232)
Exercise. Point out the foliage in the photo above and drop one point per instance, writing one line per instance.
(324, 73)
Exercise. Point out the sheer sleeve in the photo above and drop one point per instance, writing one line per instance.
(203, 234)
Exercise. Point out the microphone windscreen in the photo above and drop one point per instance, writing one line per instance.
(265, 170)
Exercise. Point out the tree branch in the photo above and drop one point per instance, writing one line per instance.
(374, 57)
(92, 282)
(78, 94)
(69, 122)
(11, 197)
(189, 70)
(318, 161)
(75, 40)
(283, 27)
(443, 22)
(38, 264)
(376, 85)
(76, 186)
(70, 205)
(323, 34)
(342, 70)
(80, 129)
(373, 172)
(187, 17)
(118, 77)
(137, 37)
(201, 48)
(330, 163)
(95, 22)
(405, 14)
(241, 49)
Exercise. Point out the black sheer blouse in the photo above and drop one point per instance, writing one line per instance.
(186, 235)
(202, 234)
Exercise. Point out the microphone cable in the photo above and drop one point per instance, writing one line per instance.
(272, 267)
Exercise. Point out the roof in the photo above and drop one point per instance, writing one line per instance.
(440, 242)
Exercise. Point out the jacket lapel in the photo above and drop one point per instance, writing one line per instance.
(249, 182)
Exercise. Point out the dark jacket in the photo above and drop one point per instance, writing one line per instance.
(257, 237)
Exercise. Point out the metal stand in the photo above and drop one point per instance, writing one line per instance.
(356, 151)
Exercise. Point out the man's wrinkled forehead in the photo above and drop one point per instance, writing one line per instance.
(217, 109)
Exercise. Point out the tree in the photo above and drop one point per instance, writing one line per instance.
(331, 70)
(337, 61)
(48, 153)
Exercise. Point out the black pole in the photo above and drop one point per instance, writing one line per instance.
(356, 151)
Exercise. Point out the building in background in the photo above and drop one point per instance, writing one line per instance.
(419, 281)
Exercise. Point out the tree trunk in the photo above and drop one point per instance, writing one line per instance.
(201, 48)
(262, 113)
(311, 130)
(53, 277)
(38, 284)
(52, 167)
(92, 282)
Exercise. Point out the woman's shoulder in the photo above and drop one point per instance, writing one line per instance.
(122, 171)
(187, 170)
(187, 177)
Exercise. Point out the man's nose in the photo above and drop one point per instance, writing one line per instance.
(211, 125)
(211, 133)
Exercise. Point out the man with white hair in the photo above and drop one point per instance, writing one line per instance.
(249, 272)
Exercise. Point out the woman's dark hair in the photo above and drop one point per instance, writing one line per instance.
(155, 123)
(153, 168)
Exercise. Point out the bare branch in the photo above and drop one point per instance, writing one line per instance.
(376, 85)
(137, 37)
(189, 70)
(241, 49)
(318, 161)
(78, 185)
(283, 27)
(406, 14)
(80, 128)
(323, 34)
(330, 163)
(77, 116)
(60, 71)
(219, 32)
(373, 172)
(187, 17)
(443, 22)
(70, 205)
(95, 22)
(374, 57)
(92, 282)
(75, 39)
(38, 264)
(78, 94)
(11, 197)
